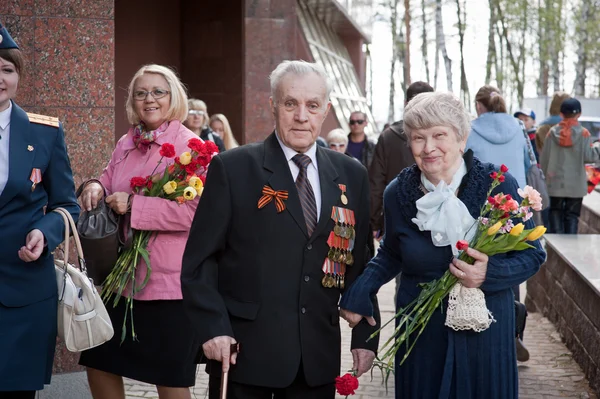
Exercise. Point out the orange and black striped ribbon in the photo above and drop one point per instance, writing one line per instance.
(269, 194)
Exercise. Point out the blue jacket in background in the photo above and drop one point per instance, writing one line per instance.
(498, 138)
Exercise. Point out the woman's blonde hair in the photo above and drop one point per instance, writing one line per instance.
(178, 108)
(228, 138)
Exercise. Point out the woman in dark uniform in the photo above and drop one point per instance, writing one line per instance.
(34, 173)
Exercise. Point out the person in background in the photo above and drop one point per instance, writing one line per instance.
(337, 140)
(197, 122)
(496, 137)
(567, 148)
(542, 131)
(392, 154)
(166, 346)
(527, 116)
(545, 126)
(359, 145)
(35, 179)
(220, 125)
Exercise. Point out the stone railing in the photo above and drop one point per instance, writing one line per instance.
(567, 291)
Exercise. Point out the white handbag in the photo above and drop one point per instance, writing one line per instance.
(83, 321)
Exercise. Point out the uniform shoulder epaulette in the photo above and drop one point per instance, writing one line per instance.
(43, 119)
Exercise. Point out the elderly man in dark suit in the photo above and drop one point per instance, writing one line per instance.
(280, 231)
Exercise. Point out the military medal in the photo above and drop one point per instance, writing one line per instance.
(343, 197)
(341, 244)
(35, 178)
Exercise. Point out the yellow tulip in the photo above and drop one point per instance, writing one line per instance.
(170, 187)
(185, 158)
(518, 229)
(494, 229)
(536, 233)
(196, 183)
(189, 193)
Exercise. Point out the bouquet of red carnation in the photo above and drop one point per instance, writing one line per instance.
(496, 233)
(181, 181)
(347, 384)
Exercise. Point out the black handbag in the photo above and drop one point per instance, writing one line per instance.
(520, 319)
(99, 235)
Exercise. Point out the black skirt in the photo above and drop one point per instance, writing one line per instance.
(164, 353)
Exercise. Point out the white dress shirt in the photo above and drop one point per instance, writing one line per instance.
(4, 142)
(312, 171)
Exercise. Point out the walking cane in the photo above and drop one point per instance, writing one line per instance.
(235, 348)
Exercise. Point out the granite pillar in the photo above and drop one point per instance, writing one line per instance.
(270, 29)
(69, 74)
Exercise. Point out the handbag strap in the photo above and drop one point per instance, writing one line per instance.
(532, 158)
(70, 226)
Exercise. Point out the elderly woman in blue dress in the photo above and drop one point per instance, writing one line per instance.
(445, 185)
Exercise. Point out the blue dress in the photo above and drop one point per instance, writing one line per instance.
(445, 363)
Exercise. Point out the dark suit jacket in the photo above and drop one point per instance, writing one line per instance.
(22, 210)
(255, 275)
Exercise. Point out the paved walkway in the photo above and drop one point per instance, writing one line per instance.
(550, 373)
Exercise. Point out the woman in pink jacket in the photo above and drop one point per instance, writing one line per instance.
(166, 346)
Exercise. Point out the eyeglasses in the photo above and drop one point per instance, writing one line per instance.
(357, 121)
(196, 112)
(337, 145)
(140, 95)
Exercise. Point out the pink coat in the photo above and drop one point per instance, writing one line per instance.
(171, 220)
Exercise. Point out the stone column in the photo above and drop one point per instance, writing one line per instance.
(269, 38)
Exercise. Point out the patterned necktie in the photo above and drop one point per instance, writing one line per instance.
(306, 193)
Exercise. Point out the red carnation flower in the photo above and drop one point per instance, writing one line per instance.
(191, 168)
(503, 168)
(462, 245)
(210, 147)
(501, 179)
(491, 200)
(508, 197)
(137, 181)
(494, 175)
(346, 385)
(195, 145)
(167, 150)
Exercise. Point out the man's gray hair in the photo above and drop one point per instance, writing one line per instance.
(427, 110)
(298, 67)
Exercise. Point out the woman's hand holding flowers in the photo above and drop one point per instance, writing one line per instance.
(470, 276)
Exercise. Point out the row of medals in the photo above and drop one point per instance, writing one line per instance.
(340, 256)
